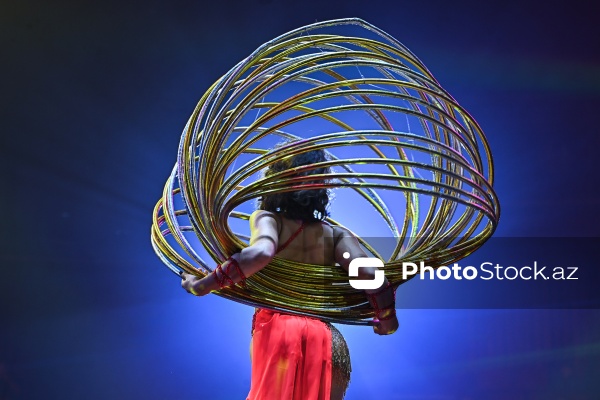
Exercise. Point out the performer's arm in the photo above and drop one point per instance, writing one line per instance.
(262, 249)
(347, 248)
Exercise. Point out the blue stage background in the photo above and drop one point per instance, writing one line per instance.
(94, 97)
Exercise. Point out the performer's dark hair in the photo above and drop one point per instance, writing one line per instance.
(306, 205)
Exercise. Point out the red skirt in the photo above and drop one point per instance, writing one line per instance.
(291, 358)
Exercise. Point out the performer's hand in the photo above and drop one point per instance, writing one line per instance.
(193, 284)
(386, 327)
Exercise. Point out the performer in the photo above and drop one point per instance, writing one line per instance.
(296, 357)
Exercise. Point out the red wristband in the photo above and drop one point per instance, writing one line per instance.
(225, 280)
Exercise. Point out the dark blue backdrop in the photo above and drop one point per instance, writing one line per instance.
(94, 96)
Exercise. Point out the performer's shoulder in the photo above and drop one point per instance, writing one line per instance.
(341, 231)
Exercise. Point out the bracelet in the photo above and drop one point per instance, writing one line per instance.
(225, 280)
(379, 311)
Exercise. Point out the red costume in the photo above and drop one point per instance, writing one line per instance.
(291, 358)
